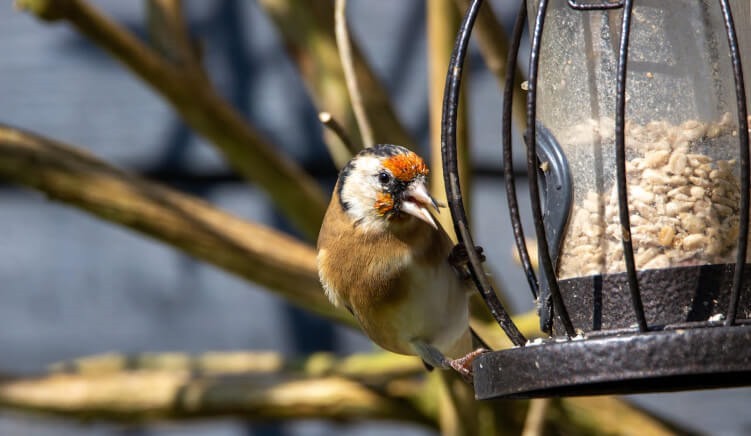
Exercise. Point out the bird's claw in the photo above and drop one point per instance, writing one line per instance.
(463, 365)
(459, 259)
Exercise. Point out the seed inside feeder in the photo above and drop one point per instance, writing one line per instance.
(683, 203)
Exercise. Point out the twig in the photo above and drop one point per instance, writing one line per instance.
(307, 27)
(249, 250)
(442, 25)
(169, 33)
(296, 193)
(459, 411)
(345, 148)
(535, 422)
(348, 66)
(609, 415)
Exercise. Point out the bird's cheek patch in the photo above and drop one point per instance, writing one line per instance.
(384, 203)
(406, 166)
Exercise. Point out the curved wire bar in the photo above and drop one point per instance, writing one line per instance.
(545, 261)
(740, 93)
(451, 177)
(508, 163)
(620, 163)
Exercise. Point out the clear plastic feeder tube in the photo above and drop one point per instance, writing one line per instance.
(681, 133)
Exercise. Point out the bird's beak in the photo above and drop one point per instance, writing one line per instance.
(416, 202)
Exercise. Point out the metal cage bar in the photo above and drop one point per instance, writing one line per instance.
(451, 176)
(620, 163)
(740, 93)
(508, 161)
(545, 261)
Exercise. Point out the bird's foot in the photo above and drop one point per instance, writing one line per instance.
(463, 365)
(459, 259)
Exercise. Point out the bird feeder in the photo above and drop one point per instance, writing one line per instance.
(638, 165)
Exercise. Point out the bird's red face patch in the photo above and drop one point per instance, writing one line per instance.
(406, 167)
(384, 203)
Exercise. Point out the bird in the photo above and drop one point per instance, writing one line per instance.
(382, 255)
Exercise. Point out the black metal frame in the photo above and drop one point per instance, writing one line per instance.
(488, 382)
(451, 178)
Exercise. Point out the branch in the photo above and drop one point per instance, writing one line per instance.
(249, 250)
(343, 151)
(139, 396)
(254, 385)
(374, 368)
(307, 27)
(169, 33)
(348, 67)
(608, 415)
(294, 191)
(266, 386)
(442, 26)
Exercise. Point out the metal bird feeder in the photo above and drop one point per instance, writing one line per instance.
(638, 165)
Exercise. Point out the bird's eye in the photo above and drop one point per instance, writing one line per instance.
(384, 178)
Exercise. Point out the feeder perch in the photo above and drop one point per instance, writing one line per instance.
(638, 164)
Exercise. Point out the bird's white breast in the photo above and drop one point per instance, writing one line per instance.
(435, 309)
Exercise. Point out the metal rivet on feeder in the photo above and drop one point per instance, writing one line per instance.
(637, 112)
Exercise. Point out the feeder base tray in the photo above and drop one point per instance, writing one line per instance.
(710, 356)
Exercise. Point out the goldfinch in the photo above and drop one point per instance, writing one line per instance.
(383, 256)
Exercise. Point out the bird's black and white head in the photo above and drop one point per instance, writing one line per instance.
(386, 185)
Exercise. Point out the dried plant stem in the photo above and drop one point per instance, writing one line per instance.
(443, 24)
(534, 425)
(307, 27)
(294, 191)
(249, 250)
(458, 410)
(608, 415)
(350, 77)
(343, 150)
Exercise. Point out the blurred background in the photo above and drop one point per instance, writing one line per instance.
(72, 285)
